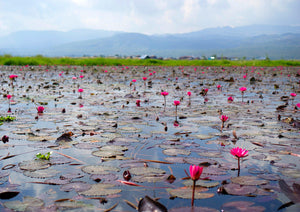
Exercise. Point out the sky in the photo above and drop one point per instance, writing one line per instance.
(144, 16)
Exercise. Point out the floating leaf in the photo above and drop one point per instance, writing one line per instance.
(146, 170)
(193, 209)
(72, 204)
(107, 154)
(100, 190)
(43, 173)
(22, 206)
(248, 180)
(174, 152)
(202, 183)
(77, 186)
(236, 189)
(186, 193)
(239, 206)
(98, 169)
(32, 165)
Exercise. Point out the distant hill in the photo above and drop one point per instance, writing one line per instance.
(276, 42)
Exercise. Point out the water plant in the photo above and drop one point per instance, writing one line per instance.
(165, 94)
(223, 119)
(195, 172)
(80, 90)
(8, 97)
(243, 89)
(239, 153)
(45, 156)
(230, 99)
(40, 109)
(176, 103)
(189, 95)
(6, 119)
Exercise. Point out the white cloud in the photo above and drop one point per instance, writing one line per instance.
(144, 16)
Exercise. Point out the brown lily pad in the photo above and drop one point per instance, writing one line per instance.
(186, 193)
(248, 180)
(100, 189)
(236, 189)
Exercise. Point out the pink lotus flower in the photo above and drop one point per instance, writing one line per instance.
(176, 102)
(13, 76)
(164, 93)
(74, 78)
(195, 172)
(245, 76)
(144, 78)
(243, 89)
(224, 118)
(138, 103)
(298, 105)
(40, 109)
(150, 74)
(133, 80)
(80, 90)
(239, 152)
(8, 96)
(81, 76)
(230, 99)
(293, 94)
(189, 93)
(219, 87)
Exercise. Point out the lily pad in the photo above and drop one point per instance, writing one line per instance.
(193, 209)
(32, 165)
(100, 190)
(175, 151)
(98, 169)
(202, 183)
(72, 204)
(186, 193)
(107, 154)
(43, 173)
(146, 170)
(240, 206)
(77, 186)
(248, 180)
(236, 189)
(22, 206)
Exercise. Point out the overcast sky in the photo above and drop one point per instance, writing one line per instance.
(144, 16)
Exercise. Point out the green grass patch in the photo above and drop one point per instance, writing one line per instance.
(40, 60)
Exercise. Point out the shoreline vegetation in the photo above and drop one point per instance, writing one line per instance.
(101, 61)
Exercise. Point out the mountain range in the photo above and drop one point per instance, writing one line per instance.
(275, 42)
